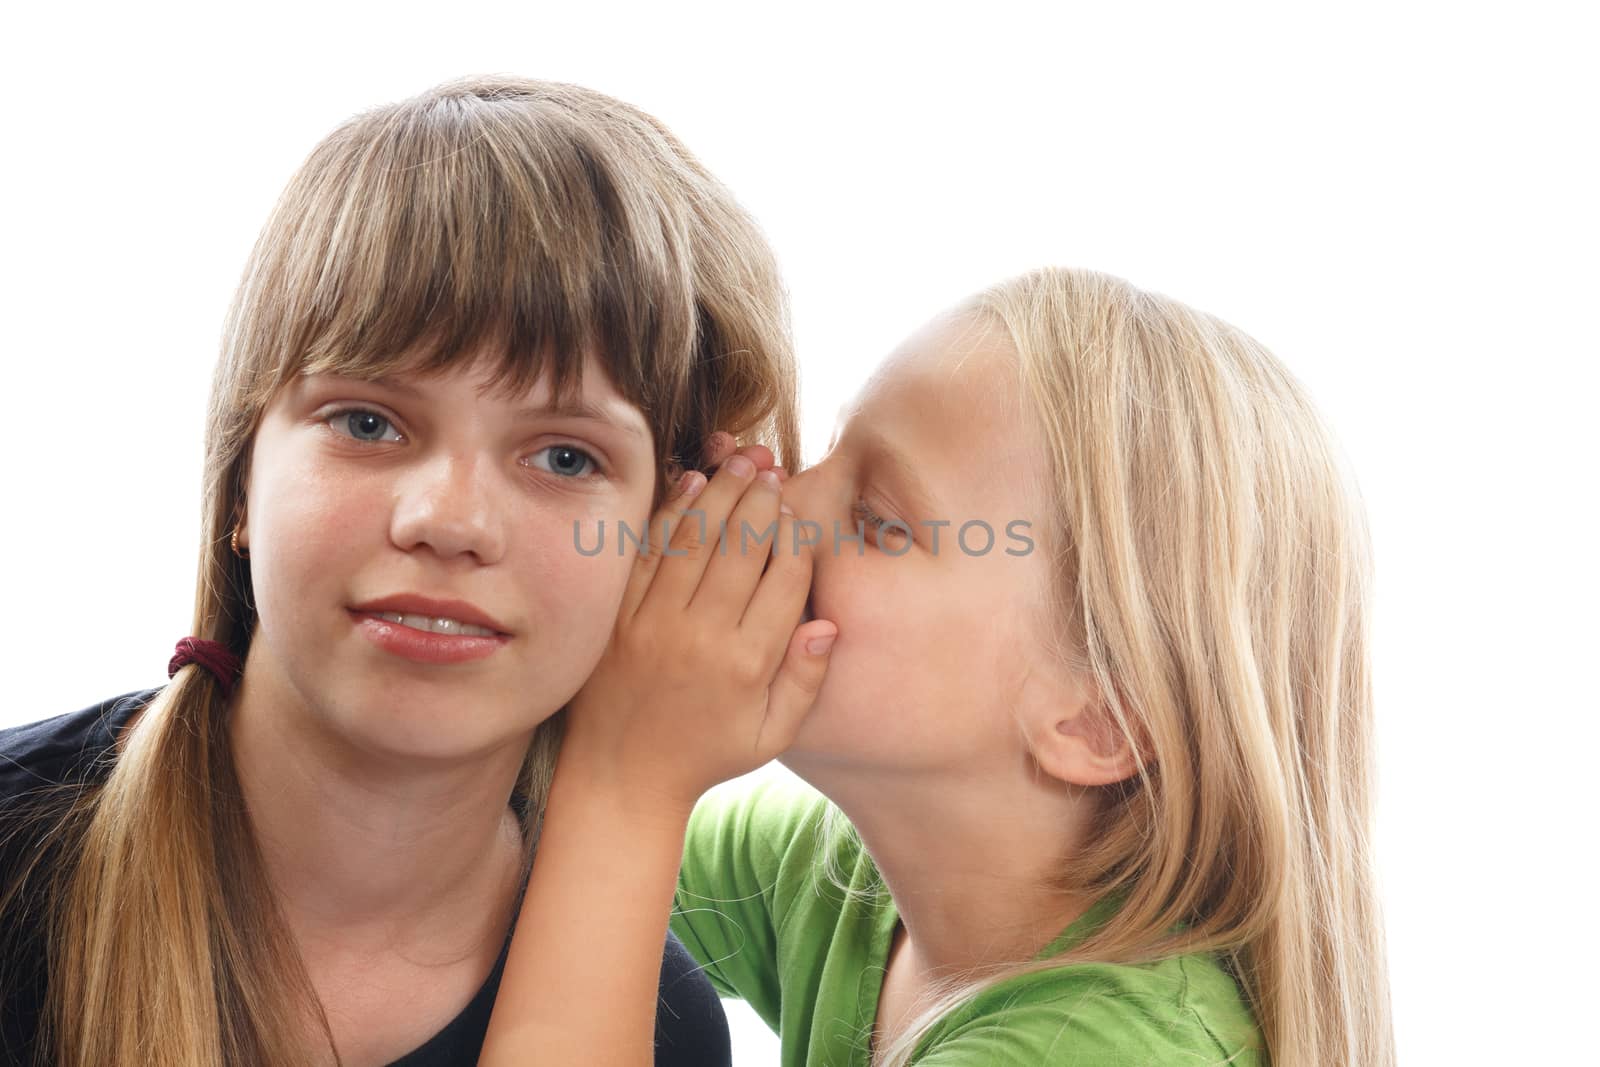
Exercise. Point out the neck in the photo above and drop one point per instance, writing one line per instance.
(370, 853)
(972, 869)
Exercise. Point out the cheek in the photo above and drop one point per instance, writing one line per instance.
(894, 634)
(572, 598)
(917, 674)
(310, 530)
(570, 591)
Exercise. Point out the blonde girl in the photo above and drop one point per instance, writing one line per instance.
(481, 324)
(1092, 755)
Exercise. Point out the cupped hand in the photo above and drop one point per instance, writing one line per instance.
(710, 670)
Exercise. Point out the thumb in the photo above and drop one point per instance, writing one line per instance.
(794, 688)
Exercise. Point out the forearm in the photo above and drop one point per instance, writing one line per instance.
(580, 981)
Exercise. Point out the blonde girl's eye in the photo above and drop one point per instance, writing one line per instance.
(363, 425)
(567, 461)
(880, 526)
(864, 514)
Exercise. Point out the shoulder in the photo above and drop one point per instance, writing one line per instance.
(1187, 1008)
(775, 818)
(777, 900)
(782, 833)
(41, 765)
(58, 749)
(36, 759)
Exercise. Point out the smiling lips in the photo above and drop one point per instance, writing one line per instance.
(432, 609)
(427, 630)
(436, 624)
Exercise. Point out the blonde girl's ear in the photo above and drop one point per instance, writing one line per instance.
(1080, 744)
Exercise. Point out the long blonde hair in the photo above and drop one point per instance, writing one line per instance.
(1211, 570)
(520, 221)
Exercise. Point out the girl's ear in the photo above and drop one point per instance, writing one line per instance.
(1080, 745)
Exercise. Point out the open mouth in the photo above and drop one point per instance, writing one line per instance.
(435, 624)
(427, 639)
(443, 616)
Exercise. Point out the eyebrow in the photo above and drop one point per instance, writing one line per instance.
(582, 409)
(576, 409)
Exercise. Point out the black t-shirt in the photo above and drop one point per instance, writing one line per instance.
(691, 1029)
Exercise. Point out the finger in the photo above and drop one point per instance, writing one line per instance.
(780, 597)
(733, 573)
(795, 687)
(667, 517)
(720, 446)
(760, 455)
(699, 535)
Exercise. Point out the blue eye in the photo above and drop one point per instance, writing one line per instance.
(369, 427)
(362, 425)
(568, 461)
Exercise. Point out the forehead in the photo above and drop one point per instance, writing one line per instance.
(954, 359)
(950, 400)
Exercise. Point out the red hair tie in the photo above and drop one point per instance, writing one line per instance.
(214, 656)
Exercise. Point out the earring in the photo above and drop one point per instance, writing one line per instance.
(234, 540)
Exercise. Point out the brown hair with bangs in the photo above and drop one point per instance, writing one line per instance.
(489, 218)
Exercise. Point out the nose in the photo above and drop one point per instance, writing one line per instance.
(814, 495)
(799, 492)
(807, 494)
(447, 502)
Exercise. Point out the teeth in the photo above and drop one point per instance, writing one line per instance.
(436, 625)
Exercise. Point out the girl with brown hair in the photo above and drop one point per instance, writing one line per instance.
(481, 325)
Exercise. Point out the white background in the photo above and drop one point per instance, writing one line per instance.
(1397, 198)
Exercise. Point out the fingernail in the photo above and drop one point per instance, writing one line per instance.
(740, 466)
(786, 509)
(691, 483)
(818, 645)
(768, 478)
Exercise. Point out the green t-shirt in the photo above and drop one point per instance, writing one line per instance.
(756, 908)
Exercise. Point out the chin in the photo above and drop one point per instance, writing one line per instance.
(425, 741)
(395, 711)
